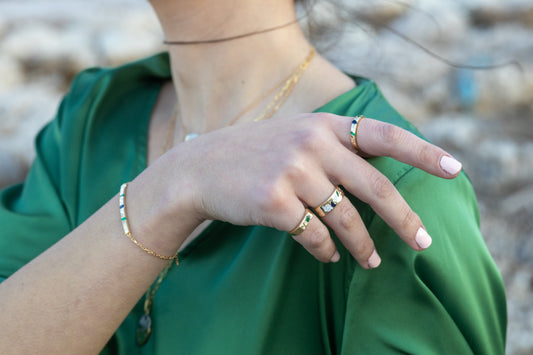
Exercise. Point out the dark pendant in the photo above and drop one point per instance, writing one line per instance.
(144, 329)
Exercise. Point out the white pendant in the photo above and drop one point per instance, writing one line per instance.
(190, 136)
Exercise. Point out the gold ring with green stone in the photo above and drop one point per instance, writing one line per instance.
(303, 223)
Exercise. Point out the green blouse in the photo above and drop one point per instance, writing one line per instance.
(253, 290)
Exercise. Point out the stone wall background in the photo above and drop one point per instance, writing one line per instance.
(483, 117)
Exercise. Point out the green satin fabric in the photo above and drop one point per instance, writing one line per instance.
(253, 290)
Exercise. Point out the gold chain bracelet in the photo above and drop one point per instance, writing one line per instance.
(126, 228)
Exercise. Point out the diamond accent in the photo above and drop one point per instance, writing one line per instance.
(327, 208)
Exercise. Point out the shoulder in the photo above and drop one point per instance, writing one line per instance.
(102, 98)
(99, 131)
(100, 85)
(155, 67)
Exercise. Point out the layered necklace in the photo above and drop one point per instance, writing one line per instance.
(285, 88)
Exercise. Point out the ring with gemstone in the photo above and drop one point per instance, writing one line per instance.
(330, 203)
(303, 223)
(353, 132)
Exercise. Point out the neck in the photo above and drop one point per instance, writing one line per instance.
(215, 81)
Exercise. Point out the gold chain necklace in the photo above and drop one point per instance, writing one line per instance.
(279, 98)
(144, 326)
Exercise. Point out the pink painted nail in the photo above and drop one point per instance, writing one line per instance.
(374, 260)
(336, 257)
(450, 165)
(422, 238)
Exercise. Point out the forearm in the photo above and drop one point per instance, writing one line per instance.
(74, 296)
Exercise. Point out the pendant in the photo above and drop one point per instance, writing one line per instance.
(144, 329)
(190, 136)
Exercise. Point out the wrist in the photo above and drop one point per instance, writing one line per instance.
(160, 211)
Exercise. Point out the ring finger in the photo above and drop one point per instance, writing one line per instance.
(342, 217)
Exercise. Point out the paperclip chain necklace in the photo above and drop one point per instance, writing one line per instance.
(144, 326)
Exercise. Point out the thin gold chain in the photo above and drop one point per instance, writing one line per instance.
(279, 98)
(287, 89)
(259, 99)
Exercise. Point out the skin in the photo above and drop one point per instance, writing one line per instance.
(73, 297)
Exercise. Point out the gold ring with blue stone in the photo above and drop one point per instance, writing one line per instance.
(330, 203)
(303, 223)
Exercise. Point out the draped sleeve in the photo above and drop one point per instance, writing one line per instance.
(448, 299)
(96, 141)
(34, 214)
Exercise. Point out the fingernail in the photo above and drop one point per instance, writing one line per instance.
(374, 260)
(336, 257)
(450, 165)
(422, 238)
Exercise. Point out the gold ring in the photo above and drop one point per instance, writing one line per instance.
(353, 132)
(330, 203)
(303, 223)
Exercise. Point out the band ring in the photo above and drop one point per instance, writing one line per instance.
(332, 201)
(353, 132)
(303, 223)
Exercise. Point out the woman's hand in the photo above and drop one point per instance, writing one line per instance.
(263, 173)
(268, 173)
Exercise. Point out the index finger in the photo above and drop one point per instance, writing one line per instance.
(376, 138)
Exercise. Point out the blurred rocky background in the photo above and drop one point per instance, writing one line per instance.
(483, 117)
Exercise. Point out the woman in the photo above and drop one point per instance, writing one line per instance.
(77, 264)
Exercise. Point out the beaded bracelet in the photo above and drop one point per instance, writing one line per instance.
(126, 228)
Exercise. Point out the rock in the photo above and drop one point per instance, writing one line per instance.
(4, 24)
(11, 73)
(13, 170)
(431, 22)
(457, 132)
(23, 111)
(119, 46)
(519, 290)
(135, 36)
(504, 87)
(497, 14)
(380, 14)
(44, 47)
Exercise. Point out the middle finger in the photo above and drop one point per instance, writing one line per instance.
(369, 185)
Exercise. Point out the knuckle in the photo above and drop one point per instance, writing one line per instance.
(425, 154)
(294, 167)
(327, 118)
(271, 199)
(312, 137)
(364, 248)
(381, 186)
(390, 134)
(409, 220)
(348, 216)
